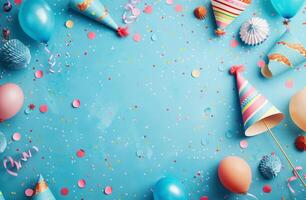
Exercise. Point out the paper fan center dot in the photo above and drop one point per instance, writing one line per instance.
(108, 190)
(148, 9)
(91, 35)
(178, 8)
(16, 136)
(81, 183)
(80, 153)
(137, 37)
(234, 43)
(43, 108)
(261, 63)
(39, 74)
(244, 144)
(76, 103)
(266, 189)
(64, 191)
(29, 192)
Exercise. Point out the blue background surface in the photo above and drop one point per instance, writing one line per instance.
(142, 115)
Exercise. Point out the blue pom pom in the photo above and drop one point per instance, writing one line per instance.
(15, 55)
(270, 166)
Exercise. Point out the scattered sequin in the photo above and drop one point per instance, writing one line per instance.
(82, 183)
(43, 108)
(80, 153)
(148, 9)
(108, 190)
(196, 73)
(244, 144)
(39, 74)
(69, 24)
(234, 43)
(266, 189)
(16, 136)
(64, 191)
(29, 192)
(76, 103)
(91, 35)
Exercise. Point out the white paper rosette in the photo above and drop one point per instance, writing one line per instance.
(254, 31)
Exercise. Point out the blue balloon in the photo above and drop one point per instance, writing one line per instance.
(37, 20)
(169, 188)
(287, 8)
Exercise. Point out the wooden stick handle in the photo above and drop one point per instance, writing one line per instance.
(284, 153)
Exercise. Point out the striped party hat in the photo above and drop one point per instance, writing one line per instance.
(256, 109)
(42, 191)
(95, 10)
(226, 11)
(1, 196)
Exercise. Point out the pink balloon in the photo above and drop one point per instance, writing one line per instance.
(11, 100)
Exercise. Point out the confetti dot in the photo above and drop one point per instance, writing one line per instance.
(267, 189)
(153, 37)
(137, 37)
(289, 84)
(16, 136)
(17, 2)
(178, 8)
(69, 24)
(169, 2)
(64, 191)
(29, 192)
(234, 43)
(204, 198)
(261, 63)
(80, 153)
(82, 183)
(76, 103)
(196, 73)
(148, 9)
(43, 108)
(91, 35)
(108, 190)
(244, 144)
(39, 74)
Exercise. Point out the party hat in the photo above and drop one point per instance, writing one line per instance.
(42, 191)
(226, 11)
(1, 196)
(95, 10)
(287, 53)
(256, 109)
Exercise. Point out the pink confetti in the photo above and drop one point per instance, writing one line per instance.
(64, 191)
(76, 103)
(234, 43)
(91, 35)
(294, 177)
(108, 190)
(244, 144)
(80, 153)
(267, 189)
(148, 9)
(39, 74)
(169, 2)
(137, 37)
(82, 183)
(18, 2)
(43, 108)
(289, 84)
(136, 12)
(204, 198)
(178, 8)
(16, 136)
(261, 63)
(29, 192)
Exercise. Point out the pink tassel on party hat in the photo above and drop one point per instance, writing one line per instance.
(236, 68)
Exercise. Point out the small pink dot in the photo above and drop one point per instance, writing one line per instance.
(148, 9)
(244, 144)
(204, 198)
(29, 192)
(17, 2)
(108, 190)
(178, 8)
(234, 43)
(64, 191)
(91, 35)
(169, 2)
(137, 37)
(16, 136)
(43, 108)
(267, 189)
(289, 84)
(261, 63)
(39, 74)
(80, 153)
(76, 103)
(82, 183)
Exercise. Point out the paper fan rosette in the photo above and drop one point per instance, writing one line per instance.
(287, 53)
(1, 196)
(256, 109)
(95, 10)
(42, 191)
(226, 11)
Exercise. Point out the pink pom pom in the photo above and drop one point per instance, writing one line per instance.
(235, 69)
(123, 31)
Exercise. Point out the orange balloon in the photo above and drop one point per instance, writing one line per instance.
(297, 109)
(235, 174)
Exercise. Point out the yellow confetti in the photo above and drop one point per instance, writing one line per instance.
(196, 73)
(69, 24)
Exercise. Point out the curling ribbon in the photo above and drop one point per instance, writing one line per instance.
(51, 59)
(251, 195)
(293, 178)
(17, 163)
(131, 12)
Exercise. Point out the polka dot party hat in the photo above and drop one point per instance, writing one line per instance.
(42, 191)
(256, 109)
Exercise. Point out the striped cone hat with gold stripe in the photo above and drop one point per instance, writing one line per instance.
(226, 11)
(42, 191)
(255, 107)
